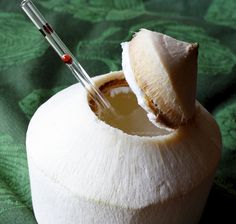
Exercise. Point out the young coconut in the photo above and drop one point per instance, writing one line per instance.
(84, 170)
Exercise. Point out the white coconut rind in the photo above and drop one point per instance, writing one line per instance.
(165, 70)
(130, 78)
(53, 203)
(85, 171)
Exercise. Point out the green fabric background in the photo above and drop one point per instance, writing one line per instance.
(30, 72)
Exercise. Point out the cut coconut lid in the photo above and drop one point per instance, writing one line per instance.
(162, 72)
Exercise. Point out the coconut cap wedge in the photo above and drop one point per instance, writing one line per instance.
(162, 72)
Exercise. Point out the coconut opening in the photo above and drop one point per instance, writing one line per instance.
(132, 118)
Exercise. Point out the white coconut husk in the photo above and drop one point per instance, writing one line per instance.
(84, 171)
(162, 73)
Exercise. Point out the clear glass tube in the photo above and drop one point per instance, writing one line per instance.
(65, 54)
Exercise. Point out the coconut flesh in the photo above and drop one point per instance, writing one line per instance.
(88, 169)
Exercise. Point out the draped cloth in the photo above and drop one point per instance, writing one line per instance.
(31, 72)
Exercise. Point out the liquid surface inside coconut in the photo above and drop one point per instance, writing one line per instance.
(132, 119)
